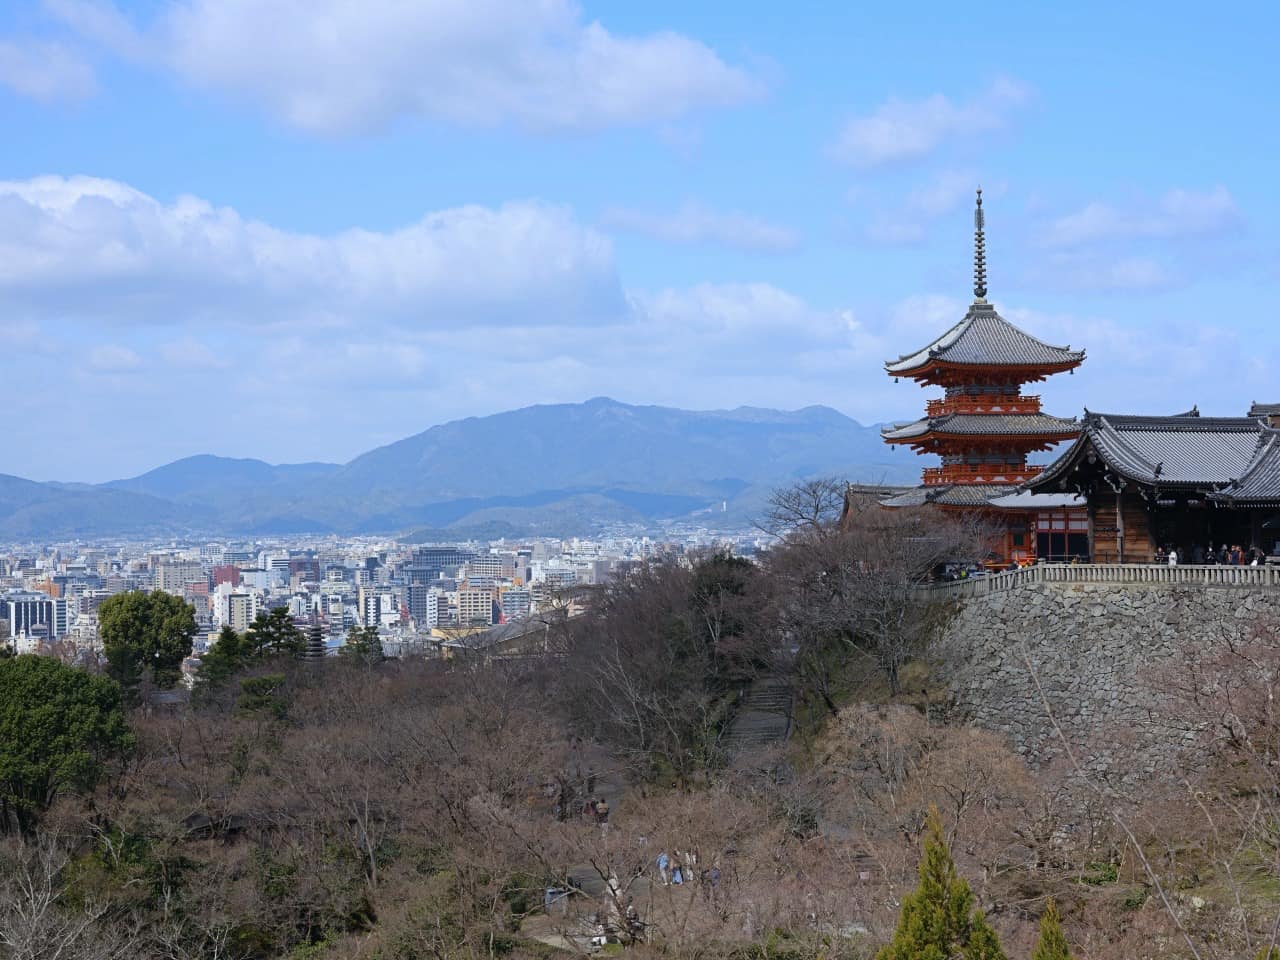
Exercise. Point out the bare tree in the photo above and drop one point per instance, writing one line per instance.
(811, 505)
(856, 591)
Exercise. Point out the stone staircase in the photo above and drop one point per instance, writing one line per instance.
(763, 719)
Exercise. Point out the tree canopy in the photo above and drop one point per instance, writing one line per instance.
(938, 921)
(363, 645)
(274, 632)
(58, 726)
(1052, 944)
(142, 631)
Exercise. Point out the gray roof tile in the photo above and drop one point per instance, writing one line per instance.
(1260, 483)
(956, 495)
(1165, 451)
(979, 424)
(984, 338)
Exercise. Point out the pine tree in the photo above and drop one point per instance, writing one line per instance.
(938, 922)
(363, 645)
(1052, 944)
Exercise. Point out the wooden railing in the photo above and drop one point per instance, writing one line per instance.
(979, 473)
(1117, 573)
(991, 404)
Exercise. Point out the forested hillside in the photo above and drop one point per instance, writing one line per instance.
(479, 807)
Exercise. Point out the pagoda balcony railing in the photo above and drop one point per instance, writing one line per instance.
(949, 405)
(979, 473)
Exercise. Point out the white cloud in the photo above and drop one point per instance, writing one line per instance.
(1096, 273)
(1179, 213)
(948, 191)
(86, 247)
(45, 71)
(190, 353)
(693, 223)
(113, 358)
(902, 130)
(336, 68)
(890, 231)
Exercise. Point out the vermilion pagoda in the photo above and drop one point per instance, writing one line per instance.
(984, 426)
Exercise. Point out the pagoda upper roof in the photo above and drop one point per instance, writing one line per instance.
(1177, 451)
(985, 339)
(983, 424)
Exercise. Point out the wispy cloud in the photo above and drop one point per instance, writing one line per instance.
(1179, 213)
(46, 71)
(113, 358)
(334, 68)
(694, 223)
(902, 130)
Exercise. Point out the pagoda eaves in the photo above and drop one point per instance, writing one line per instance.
(984, 347)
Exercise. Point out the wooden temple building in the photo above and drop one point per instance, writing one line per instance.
(1182, 482)
(984, 427)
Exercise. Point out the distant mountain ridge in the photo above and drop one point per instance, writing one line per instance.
(546, 468)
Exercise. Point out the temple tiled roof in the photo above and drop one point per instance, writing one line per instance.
(956, 495)
(1265, 410)
(1260, 483)
(1164, 451)
(980, 424)
(984, 338)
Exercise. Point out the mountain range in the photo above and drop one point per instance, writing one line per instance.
(554, 469)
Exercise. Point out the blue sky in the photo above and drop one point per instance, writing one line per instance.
(296, 230)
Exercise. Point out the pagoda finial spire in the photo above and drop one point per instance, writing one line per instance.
(979, 253)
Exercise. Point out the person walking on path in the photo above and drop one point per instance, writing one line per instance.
(664, 868)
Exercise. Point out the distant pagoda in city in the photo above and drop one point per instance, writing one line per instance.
(984, 427)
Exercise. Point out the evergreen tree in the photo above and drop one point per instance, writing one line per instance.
(1052, 944)
(59, 727)
(938, 922)
(274, 632)
(363, 645)
(228, 655)
(145, 631)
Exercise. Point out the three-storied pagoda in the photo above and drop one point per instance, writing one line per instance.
(984, 426)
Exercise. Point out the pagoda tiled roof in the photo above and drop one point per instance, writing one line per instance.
(984, 338)
(955, 495)
(983, 424)
(1260, 483)
(1178, 451)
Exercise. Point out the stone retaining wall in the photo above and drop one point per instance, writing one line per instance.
(1102, 654)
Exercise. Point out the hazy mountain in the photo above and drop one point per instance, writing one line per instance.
(40, 511)
(204, 475)
(553, 468)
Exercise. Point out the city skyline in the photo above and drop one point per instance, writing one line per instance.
(464, 209)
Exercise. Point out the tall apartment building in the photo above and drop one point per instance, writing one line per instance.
(235, 609)
(29, 613)
(172, 576)
(475, 607)
(424, 605)
(515, 603)
(493, 565)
